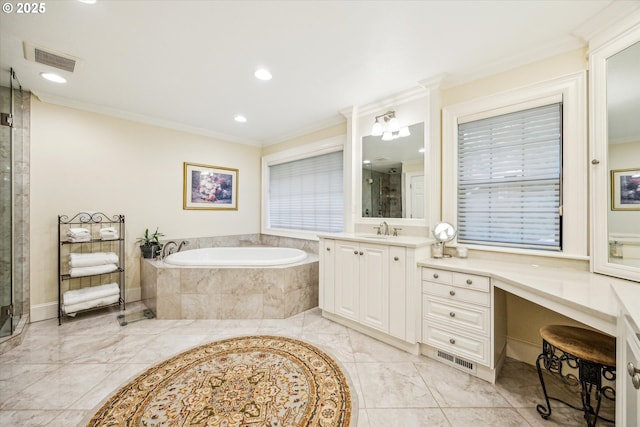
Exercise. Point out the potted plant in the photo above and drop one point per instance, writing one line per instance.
(149, 244)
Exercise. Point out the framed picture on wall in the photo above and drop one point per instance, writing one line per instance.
(210, 187)
(625, 190)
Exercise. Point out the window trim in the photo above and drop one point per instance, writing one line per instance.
(326, 146)
(572, 91)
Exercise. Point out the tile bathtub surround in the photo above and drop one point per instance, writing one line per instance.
(61, 373)
(174, 292)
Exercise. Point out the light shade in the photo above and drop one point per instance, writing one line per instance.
(240, 118)
(404, 131)
(394, 125)
(376, 130)
(387, 136)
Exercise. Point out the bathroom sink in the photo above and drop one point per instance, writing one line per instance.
(373, 236)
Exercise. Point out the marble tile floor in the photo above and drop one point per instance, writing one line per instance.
(60, 373)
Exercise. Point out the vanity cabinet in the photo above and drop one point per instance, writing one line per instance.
(458, 326)
(371, 285)
(627, 372)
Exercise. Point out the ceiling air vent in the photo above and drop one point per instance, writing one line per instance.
(48, 57)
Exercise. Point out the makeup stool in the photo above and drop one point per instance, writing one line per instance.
(592, 353)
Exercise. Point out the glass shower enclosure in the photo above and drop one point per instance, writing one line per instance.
(12, 217)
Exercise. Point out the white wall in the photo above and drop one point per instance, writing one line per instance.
(86, 161)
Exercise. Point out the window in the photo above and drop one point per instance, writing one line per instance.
(307, 194)
(509, 179)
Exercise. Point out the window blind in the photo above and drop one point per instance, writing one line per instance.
(307, 194)
(509, 179)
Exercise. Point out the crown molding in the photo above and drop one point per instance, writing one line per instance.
(140, 118)
(314, 127)
(390, 102)
(604, 21)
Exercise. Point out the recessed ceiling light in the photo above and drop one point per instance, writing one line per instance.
(263, 74)
(52, 77)
(240, 119)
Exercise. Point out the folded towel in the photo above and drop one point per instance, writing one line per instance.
(108, 230)
(78, 296)
(91, 259)
(78, 232)
(89, 271)
(74, 308)
(109, 236)
(79, 239)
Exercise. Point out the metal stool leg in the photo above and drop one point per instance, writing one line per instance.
(544, 411)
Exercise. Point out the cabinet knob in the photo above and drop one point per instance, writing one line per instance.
(452, 341)
(435, 275)
(595, 162)
(635, 380)
(328, 249)
(452, 314)
(355, 252)
(361, 253)
(632, 370)
(469, 281)
(452, 293)
(395, 258)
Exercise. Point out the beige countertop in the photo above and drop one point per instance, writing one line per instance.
(586, 297)
(406, 241)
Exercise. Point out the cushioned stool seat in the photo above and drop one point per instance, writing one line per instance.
(593, 354)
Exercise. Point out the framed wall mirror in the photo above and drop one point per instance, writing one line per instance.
(615, 142)
(393, 180)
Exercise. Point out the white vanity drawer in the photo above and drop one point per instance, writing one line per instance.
(450, 340)
(472, 317)
(471, 281)
(437, 276)
(455, 293)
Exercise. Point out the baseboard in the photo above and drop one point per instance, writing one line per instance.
(49, 310)
(44, 311)
(523, 351)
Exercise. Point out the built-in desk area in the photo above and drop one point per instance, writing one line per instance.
(604, 303)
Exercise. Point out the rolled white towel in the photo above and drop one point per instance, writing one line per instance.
(73, 308)
(109, 236)
(89, 271)
(77, 296)
(91, 259)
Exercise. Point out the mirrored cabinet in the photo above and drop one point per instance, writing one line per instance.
(615, 154)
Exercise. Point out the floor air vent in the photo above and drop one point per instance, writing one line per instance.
(48, 57)
(456, 361)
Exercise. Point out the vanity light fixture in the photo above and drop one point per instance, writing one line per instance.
(393, 129)
(53, 77)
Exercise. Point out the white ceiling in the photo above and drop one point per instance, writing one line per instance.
(189, 64)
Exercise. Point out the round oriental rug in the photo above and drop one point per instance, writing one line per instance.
(255, 381)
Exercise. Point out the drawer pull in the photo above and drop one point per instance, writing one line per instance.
(469, 281)
(452, 293)
(361, 253)
(395, 258)
(435, 275)
(328, 249)
(355, 252)
(452, 314)
(452, 341)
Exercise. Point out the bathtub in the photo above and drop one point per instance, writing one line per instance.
(236, 256)
(252, 282)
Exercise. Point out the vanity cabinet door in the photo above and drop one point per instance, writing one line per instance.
(326, 296)
(346, 280)
(374, 286)
(399, 306)
(628, 373)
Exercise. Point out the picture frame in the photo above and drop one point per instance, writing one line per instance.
(210, 187)
(625, 189)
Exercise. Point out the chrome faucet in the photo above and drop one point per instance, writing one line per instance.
(384, 226)
(166, 249)
(183, 243)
